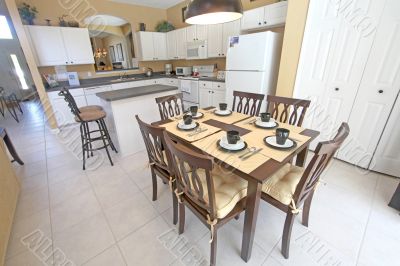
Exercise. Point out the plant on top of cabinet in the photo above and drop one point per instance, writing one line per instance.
(27, 13)
(164, 26)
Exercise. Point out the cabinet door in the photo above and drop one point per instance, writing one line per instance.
(201, 32)
(49, 45)
(191, 33)
(146, 45)
(172, 45)
(77, 45)
(181, 43)
(229, 29)
(275, 14)
(218, 96)
(214, 42)
(378, 90)
(253, 19)
(205, 98)
(160, 46)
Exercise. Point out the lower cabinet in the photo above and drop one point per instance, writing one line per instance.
(211, 94)
(63, 113)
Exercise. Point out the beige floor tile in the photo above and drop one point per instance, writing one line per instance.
(26, 259)
(32, 183)
(142, 178)
(111, 256)
(85, 240)
(104, 174)
(32, 202)
(164, 197)
(63, 173)
(133, 162)
(68, 189)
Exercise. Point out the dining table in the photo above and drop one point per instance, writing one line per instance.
(256, 170)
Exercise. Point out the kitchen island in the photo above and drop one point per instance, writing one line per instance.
(121, 107)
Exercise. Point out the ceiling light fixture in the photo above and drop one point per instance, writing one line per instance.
(204, 12)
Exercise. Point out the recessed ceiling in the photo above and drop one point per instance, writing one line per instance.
(150, 3)
(105, 20)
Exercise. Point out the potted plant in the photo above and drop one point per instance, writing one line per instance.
(27, 13)
(164, 26)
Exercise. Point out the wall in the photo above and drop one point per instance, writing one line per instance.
(292, 42)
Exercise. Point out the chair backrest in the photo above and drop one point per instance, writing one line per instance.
(71, 102)
(153, 137)
(322, 156)
(170, 106)
(187, 166)
(247, 103)
(287, 110)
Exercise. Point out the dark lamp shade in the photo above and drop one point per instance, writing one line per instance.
(204, 12)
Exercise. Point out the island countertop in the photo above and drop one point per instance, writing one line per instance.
(134, 92)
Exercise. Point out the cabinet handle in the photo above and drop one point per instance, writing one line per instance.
(265, 22)
(380, 91)
(72, 62)
(336, 89)
(259, 23)
(66, 62)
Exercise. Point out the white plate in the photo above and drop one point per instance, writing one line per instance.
(198, 115)
(270, 124)
(224, 112)
(182, 125)
(233, 147)
(272, 141)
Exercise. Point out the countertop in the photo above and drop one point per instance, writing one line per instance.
(134, 92)
(113, 80)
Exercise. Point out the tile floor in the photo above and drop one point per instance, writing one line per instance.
(105, 216)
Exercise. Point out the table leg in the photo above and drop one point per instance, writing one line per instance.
(250, 219)
(301, 157)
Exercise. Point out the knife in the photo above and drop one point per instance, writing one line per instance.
(251, 154)
(197, 132)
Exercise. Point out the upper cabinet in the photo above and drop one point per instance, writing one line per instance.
(218, 37)
(151, 45)
(196, 33)
(60, 46)
(176, 44)
(265, 17)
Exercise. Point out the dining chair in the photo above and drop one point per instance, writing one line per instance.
(214, 196)
(288, 110)
(293, 186)
(247, 103)
(153, 137)
(10, 101)
(170, 105)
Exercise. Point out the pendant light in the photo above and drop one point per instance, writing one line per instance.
(204, 12)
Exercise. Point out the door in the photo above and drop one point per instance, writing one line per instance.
(172, 45)
(253, 18)
(181, 43)
(275, 14)
(49, 53)
(378, 90)
(201, 32)
(205, 98)
(214, 38)
(217, 97)
(160, 45)
(146, 45)
(229, 29)
(191, 33)
(387, 157)
(78, 46)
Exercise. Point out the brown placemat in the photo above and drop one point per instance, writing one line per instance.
(245, 124)
(209, 146)
(231, 119)
(185, 135)
(226, 127)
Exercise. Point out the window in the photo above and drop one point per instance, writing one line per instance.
(5, 32)
(19, 72)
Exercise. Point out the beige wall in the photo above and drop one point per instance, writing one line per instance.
(292, 42)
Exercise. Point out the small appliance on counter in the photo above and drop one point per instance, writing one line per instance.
(148, 72)
(73, 79)
(168, 69)
(221, 75)
(183, 71)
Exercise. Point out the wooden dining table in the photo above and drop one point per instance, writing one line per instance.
(255, 177)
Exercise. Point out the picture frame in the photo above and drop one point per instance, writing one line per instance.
(112, 54)
(120, 53)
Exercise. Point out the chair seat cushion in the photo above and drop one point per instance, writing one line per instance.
(90, 108)
(229, 190)
(91, 116)
(282, 185)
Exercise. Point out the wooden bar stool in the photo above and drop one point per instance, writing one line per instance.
(85, 116)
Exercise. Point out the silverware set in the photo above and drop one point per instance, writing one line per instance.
(250, 153)
(197, 131)
(252, 121)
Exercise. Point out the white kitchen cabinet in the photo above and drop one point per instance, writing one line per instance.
(60, 46)
(270, 16)
(176, 44)
(196, 33)
(152, 45)
(217, 97)
(211, 93)
(90, 94)
(204, 98)
(214, 40)
(61, 110)
(229, 29)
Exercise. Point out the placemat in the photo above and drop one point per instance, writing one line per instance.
(231, 119)
(186, 135)
(209, 146)
(245, 124)
(226, 127)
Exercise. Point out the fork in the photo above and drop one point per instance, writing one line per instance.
(250, 150)
(252, 154)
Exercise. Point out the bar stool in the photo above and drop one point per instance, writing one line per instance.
(9, 101)
(85, 116)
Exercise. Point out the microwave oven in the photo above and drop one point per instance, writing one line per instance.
(183, 71)
(196, 50)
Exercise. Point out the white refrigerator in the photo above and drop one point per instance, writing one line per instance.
(252, 64)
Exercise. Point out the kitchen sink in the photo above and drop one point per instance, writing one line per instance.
(123, 79)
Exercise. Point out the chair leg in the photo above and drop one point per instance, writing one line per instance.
(213, 252)
(103, 137)
(108, 135)
(82, 128)
(287, 232)
(154, 179)
(174, 208)
(306, 209)
(181, 218)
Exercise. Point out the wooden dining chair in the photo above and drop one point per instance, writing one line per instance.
(213, 196)
(247, 103)
(288, 110)
(170, 106)
(153, 137)
(11, 102)
(293, 186)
